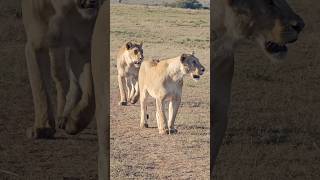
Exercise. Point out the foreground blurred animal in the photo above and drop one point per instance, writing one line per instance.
(272, 24)
(164, 80)
(59, 41)
(129, 59)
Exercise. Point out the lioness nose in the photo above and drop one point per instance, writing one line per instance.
(298, 25)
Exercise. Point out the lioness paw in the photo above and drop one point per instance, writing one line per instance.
(164, 131)
(62, 122)
(133, 100)
(123, 103)
(40, 133)
(173, 131)
(144, 125)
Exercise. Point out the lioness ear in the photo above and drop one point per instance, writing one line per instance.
(129, 45)
(183, 57)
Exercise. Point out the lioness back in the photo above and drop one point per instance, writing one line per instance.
(152, 73)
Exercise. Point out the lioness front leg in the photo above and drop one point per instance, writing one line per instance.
(135, 90)
(44, 124)
(83, 111)
(173, 110)
(123, 98)
(59, 74)
(143, 104)
(129, 88)
(74, 93)
(161, 117)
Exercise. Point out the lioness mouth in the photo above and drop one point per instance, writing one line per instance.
(273, 47)
(196, 77)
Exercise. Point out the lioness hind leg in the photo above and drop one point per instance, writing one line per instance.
(161, 117)
(123, 98)
(82, 112)
(143, 103)
(44, 124)
(136, 94)
(173, 110)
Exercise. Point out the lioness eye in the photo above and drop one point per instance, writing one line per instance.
(135, 52)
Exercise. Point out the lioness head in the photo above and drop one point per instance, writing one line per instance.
(191, 65)
(88, 8)
(272, 23)
(135, 53)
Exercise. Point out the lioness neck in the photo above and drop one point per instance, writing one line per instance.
(127, 58)
(174, 69)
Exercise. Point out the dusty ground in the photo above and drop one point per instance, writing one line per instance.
(143, 153)
(274, 131)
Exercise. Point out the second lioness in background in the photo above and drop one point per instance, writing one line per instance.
(164, 80)
(129, 59)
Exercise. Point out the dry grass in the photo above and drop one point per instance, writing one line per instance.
(143, 153)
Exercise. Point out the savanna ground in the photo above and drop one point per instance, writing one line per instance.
(143, 153)
(274, 130)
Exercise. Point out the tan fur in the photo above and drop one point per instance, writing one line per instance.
(58, 37)
(164, 80)
(270, 23)
(129, 58)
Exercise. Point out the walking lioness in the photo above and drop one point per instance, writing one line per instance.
(272, 24)
(164, 80)
(129, 59)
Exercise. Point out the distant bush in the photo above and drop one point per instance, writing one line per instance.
(187, 4)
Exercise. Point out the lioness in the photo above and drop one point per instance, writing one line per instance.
(129, 59)
(59, 37)
(164, 80)
(270, 23)
(59, 41)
